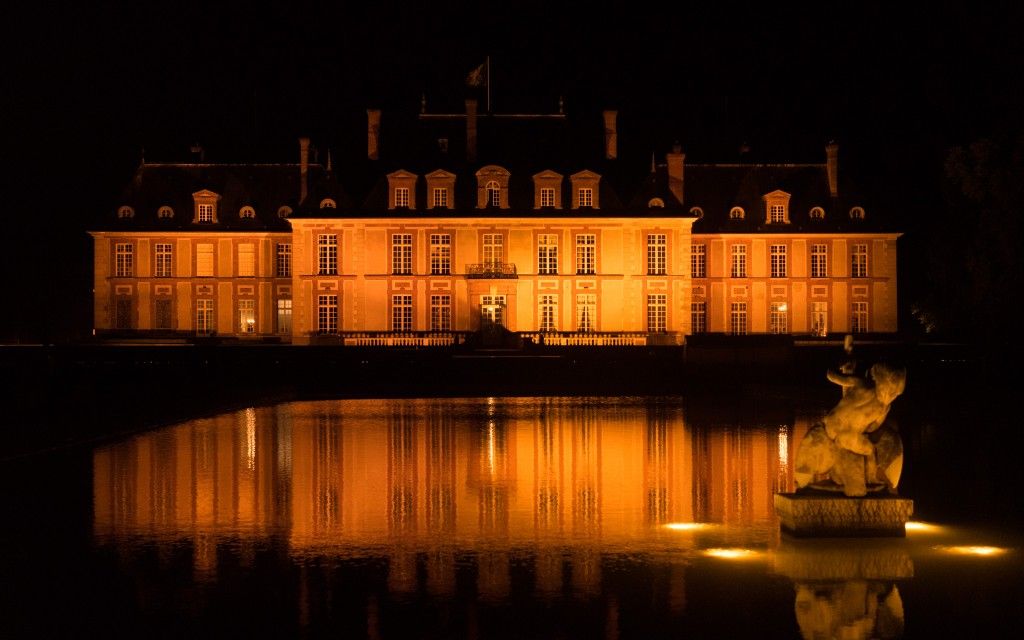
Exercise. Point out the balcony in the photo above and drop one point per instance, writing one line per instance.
(492, 270)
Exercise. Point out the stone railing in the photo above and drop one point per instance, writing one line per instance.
(587, 338)
(491, 270)
(401, 339)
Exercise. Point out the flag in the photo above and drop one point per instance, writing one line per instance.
(477, 77)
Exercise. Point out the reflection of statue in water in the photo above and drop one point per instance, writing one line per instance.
(852, 450)
(851, 609)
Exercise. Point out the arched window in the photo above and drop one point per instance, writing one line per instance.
(327, 203)
(247, 212)
(165, 212)
(656, 203)
(284, 212)
(697, 211)
(736, 213)
(817, 213)
(857, 213)
(493, 193)
(126, 212)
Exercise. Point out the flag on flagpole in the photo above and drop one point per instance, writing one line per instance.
(478, 76)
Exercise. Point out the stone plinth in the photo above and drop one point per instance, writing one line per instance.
(817, 515)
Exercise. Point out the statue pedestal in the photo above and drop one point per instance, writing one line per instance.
(826, 516)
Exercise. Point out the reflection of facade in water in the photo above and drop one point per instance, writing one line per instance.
(421, 481)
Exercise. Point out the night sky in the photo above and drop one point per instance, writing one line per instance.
(90, 85)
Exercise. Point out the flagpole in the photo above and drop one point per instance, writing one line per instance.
(488, 81)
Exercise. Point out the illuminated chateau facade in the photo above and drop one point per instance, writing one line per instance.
(481, 221)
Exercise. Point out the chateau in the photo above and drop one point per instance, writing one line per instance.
(493, 223)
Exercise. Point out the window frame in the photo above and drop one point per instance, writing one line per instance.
(283, 260)
(327, 314)
(779, 260)
(401, 313)
(547, 254)
(657, 312)
(738, 320)
(819, 260)
(124, 260)
(441, 312)
(327, 254)
(586, 254)
(859, 260)
(657, 254)
(738, 260)
(163, 259)
(440, 254)
(401, 254)
(698, 260)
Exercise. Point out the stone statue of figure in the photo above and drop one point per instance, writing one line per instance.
(852, 450)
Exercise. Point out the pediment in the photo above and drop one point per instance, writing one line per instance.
(778, 193)
(547, 174)
(205, 193)
(441, 174)
(492, 170)
(586, 174)
(401, 174)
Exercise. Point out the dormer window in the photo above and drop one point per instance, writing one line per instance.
(697, 212)
(401, 190)
(817, 213)
(327, 203)
(165, 212)
(247, 213)
(547, 197)
(284, 212)
(440, 189)
(584, 189)
(736, 213)
(547, 190)
(440, 198)
(857, 213)
(125, 212)
(493, 193)
(206, 206)
(655, 203)
(776, 207)
(492, 187)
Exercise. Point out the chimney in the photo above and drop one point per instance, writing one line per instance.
(675, 161)
(373, 134)
(611, 135)
(303, 168)
(832, 167)
(470, 130)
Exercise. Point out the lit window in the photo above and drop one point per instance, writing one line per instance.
(284, 260)
(777, 213)
(739, 261)
(859, 321)
(493, 193)
(165, 212)
(736, 213)
(246, 260)
(204, 260)
(440, 198)
(857, 213)
(247, 316)
(657, 254)
(440, 254)
(778, 320)
(401, 313)
(205, 213)
(125, 212)
(163, 315)
(204, 316)
(817, 213)
(164, 258)
(284, 212)
(859, 261)
(586, 197)
(401, 254)
(494, 250)
(327, 254)
(492, 310)
(547, 197)
(548, 312)
(124, 260)
(698, 261)
(284, 315)
(698, 317)
(778, 260)
(738, 318)
(819, 318)
(547, 254)
(401, 197)
(247, 213)
(441, 313)
(586, 245)
(657, 312)
(586, 311)
(327, 203)
(819, 261)
(697, 212)
(327, 314)
(656, 203)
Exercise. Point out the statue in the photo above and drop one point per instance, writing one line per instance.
(853, 450)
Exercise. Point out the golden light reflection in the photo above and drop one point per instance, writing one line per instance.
(915, 526)
(733, 554)
(687, 526)
(974, 550)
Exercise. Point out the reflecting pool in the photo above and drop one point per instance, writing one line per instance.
(478, 518)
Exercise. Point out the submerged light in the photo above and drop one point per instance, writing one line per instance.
(974, 550)
(732, 554)
(687, 526)
(921, 527)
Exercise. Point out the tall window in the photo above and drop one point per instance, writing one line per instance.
(819, 261)
(547, 254)
(777, 213)
(586, 311)
(440, 254)
(163, 315)
(284, 260)
(204, 316)
(493, 193)
(494, 249)
(164, 258)
(859, 322)
(586, 245)
(204, 259)
(401, 312)
(284, 315)
(440, 197)
(492, 310)
(859, 266)
(548, 312)
(739, 261)
(401, 254)
(819, 318)
(698, 261)
(778, 258)
(657, 254)
(657, 312)
(586, 196)
(205, 213)
(401, 197)
(547, 197)
(247, 316)
(441, 313)
(123, 312)
(698, 317)
(327, 254)
(246, 260)
(124, 260)
(738, 318)
(327, 313)
(778, 318)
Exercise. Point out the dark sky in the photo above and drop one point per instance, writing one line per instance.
(91, 84)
